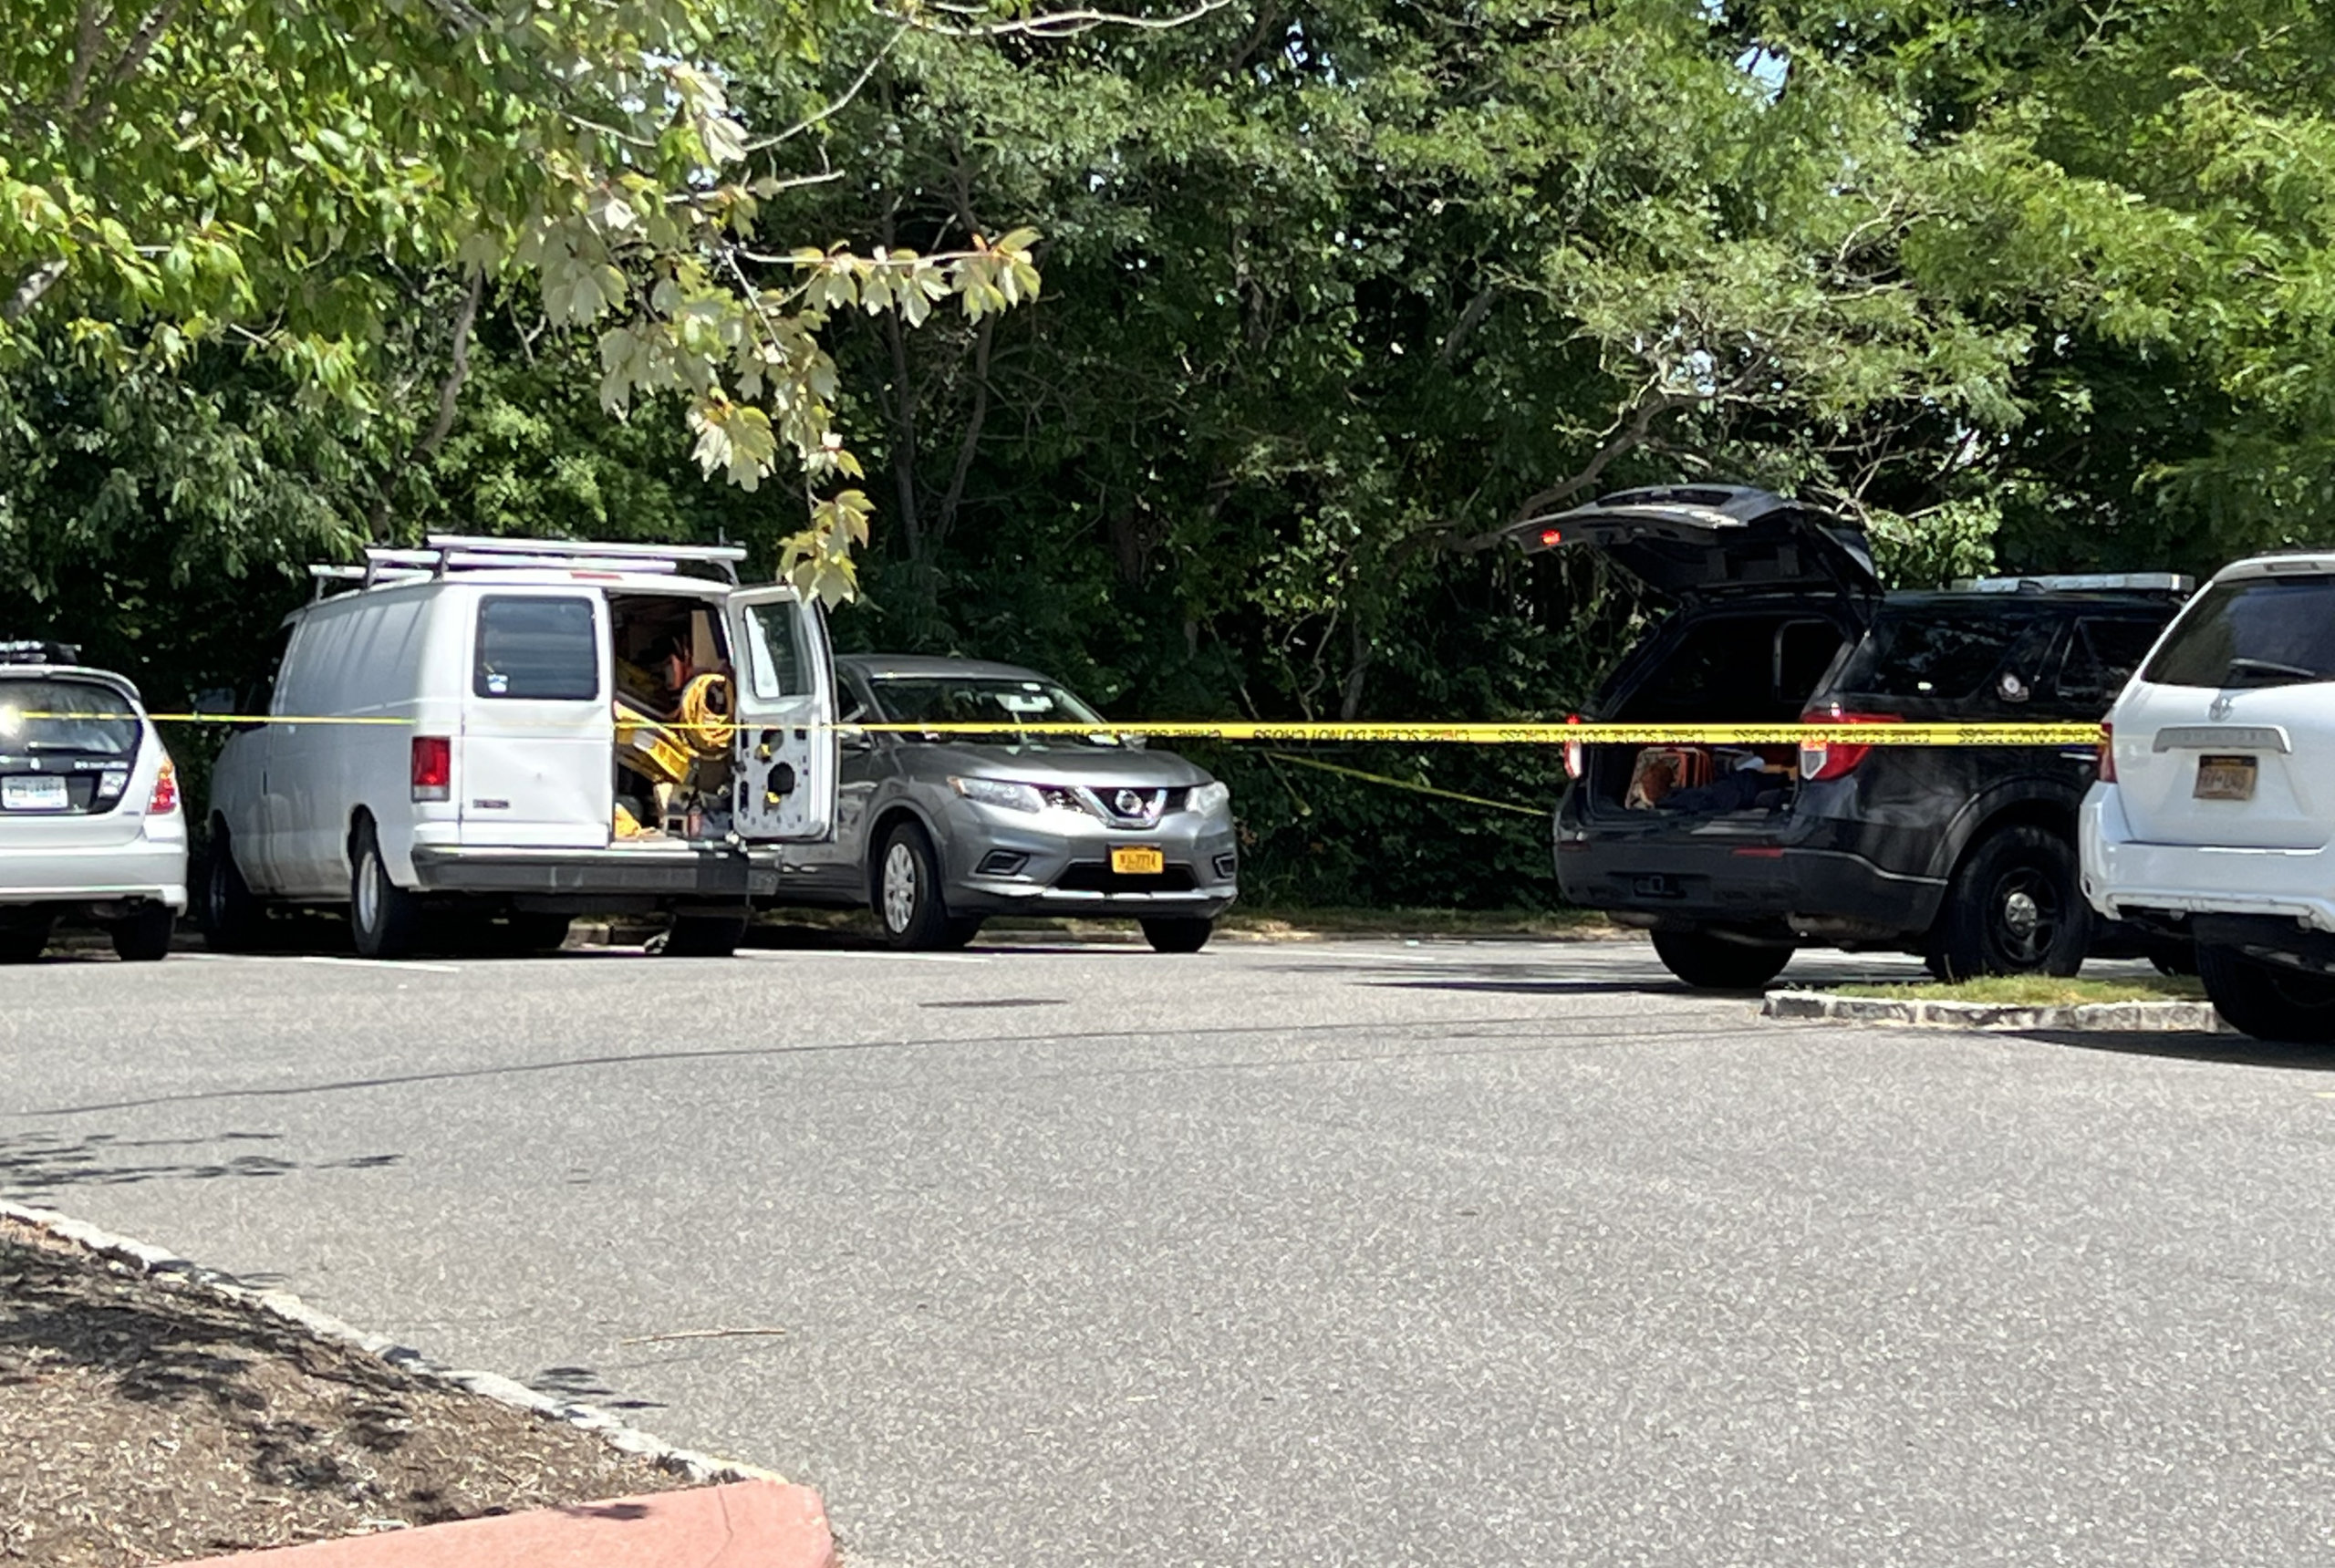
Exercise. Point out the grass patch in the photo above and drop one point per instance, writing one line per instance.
(2038, 990)
(1300, 924)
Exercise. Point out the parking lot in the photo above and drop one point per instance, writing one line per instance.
(1360, 1251)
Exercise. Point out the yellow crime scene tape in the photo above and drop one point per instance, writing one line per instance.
(1464, 732)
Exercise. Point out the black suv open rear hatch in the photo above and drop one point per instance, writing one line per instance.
(1703, 541)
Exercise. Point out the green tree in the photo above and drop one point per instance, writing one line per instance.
(282, 181)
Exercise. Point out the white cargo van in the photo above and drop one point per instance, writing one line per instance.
(486, 737)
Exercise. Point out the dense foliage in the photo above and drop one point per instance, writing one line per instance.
(1332, 295)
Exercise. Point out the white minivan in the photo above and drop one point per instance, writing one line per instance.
(486, 737)
(2214, 815)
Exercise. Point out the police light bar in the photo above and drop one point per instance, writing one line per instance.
(2083, 583)
(32, 652)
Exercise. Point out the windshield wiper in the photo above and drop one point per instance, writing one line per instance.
(2272, 667)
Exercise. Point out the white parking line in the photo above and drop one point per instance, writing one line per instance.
(325, 957)
(861, 953)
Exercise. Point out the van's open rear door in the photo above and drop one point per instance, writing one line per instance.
(786, 746)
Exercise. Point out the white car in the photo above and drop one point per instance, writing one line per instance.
(2214, 815)
(90, 825)
(485, 737)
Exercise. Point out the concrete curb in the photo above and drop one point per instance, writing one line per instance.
(2105, 1017)
(701, 1469)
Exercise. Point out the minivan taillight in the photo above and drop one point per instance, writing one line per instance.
(165, 799)
(1821, 760)
(2107, 764)
(433, 767)
(1574, 767)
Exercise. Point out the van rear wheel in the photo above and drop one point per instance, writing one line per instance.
(2268, 1000)
(383, 917)
(1714, 963)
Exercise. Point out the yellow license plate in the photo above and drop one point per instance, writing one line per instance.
(2225, 778)
(1139, 862)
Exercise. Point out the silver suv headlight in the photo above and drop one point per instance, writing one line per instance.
(1000, 793)
(1210, 797)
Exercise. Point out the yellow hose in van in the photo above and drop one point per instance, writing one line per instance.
(704, 724)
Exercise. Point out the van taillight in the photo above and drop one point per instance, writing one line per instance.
(1821, 760)
(433, 767)
(2107, 765)
(1573, 765)
(165, 799)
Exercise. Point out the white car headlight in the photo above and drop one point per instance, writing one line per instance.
(1000, 793)
(1210, 797)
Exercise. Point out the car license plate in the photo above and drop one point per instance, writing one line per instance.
(32, 794)
(2225, 778)
(1139, 862)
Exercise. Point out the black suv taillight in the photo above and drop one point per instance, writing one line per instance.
(1821, 760)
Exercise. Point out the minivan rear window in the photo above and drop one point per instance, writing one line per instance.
(532, 646)
(81, 718)
(1944, 655)
(2252, 631)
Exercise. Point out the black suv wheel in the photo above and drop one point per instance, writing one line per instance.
(1714, 963)
(2267, 1001)
(2015, 907)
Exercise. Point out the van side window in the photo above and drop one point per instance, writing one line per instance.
(775, 663)
(547, 648)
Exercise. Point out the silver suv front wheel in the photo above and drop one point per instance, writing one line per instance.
(909, 903)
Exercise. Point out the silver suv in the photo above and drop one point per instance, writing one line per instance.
(2214, 815)
(939, 833)
(90, 825)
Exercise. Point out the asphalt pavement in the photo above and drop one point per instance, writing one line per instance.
(1312, 1253)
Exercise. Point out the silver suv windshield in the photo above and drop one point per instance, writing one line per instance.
(47, 714)
(988, 700)
(2252, 631)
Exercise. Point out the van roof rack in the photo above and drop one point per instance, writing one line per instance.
(2082, 583)
(445, 553)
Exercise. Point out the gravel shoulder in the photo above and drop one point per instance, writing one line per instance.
(145, 1420)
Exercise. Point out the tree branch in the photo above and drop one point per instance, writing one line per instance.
(1060, 24)
(34, 284)
(142, 44)
(449, 396)
(904, 411)
(947, 516)
(1469, 320)
(88, 33)
(840, 104)
(1631, 435)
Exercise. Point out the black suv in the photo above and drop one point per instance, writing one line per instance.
(1736, 857)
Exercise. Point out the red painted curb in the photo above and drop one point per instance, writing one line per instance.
(746, 1524)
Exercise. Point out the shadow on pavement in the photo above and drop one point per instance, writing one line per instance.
(2221, 1050)
(585, 1385)
(35, 1166)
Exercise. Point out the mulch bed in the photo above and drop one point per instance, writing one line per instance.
(148, 1421)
